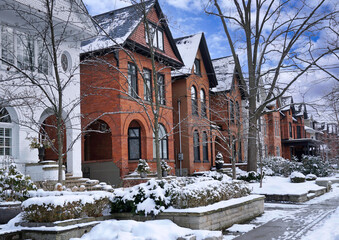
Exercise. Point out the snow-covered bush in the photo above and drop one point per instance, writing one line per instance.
(310, 177)
(297, 177)
(156, 195)
(317, 166)
(58, 208)
(151, 197)
(205, 192)
(249, 176)
(164, 166)
(143, 166)
(277, 166)
(14, 186)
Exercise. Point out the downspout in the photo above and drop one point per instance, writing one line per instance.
(180, 148)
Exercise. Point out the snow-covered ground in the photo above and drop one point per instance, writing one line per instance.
(282, 185)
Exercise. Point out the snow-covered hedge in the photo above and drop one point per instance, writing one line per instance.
(277, 166)
(14, 186)
(156, 195)
(248, 176)
(58, 208)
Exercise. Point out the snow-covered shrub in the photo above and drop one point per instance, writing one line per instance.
(143, 166)
(249, 176)
(219, 159)
(151, 197)
(155, 196)
(164, 166)
(277, 166)
(14, 186)
(317, 166)
(310, 177)
(297, 177)
(206, 192)
(58, 208)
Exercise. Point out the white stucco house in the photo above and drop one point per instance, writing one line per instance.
(29, 73)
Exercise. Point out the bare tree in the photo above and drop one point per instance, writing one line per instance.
(275, 37)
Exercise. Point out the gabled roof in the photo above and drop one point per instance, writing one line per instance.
(224, 70)
(121, 23)
(118, 24)
(188, 47)
(287, 103)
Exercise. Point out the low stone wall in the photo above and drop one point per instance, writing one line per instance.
(8, 211)
(217, 216)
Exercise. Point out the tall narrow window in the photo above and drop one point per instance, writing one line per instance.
(232, 110)
(204, 147)
(7, 44)
(197, 69)
(25, 51)
(196, 146)
(134, 143)
(194, 100)
(203, 103)
(160, 40)
(5, 133)
(240, 153)
(237, 111)
(163, 143)
(298, 132)
(132, 80)
(161, 89)
(156, 35)
(147, 85)
(43, 61)
(290, 129)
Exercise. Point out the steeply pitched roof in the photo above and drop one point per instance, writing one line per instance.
(224, 70)
(118, 24)
(188, 47)
(287, 103)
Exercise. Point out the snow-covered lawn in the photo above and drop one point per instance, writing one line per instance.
(283, 186)
(149, 230)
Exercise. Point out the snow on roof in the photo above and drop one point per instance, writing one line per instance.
(287, 102)
(118, 24)
(188, 47)
(224, 70)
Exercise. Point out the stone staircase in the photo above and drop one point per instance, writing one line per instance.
(86, 184)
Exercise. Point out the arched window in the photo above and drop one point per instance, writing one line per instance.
(194, 100)
(134, 141)
(163, 143)
(204, 147)
(5, 133)
(196, 146)
(203, 102)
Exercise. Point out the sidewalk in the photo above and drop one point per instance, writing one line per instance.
(292, 221)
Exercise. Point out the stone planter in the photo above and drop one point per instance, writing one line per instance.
(143, 174)
(8, 211)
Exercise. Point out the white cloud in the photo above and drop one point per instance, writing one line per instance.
(96, 7)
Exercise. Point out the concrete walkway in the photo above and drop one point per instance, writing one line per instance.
(295, 222)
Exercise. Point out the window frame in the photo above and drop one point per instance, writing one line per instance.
(298, 132)
(203, 103)
(290, 129)
(196, 147)
(133, 138)
(197, 67)
(194, 101)
(148, 94)
(205, 147)
(134, 93)
(163, 143)
(6, 125)
(153, 27)
(161, 89)
(232, 111)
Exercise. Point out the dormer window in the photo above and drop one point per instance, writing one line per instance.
(156, 34)
(197, 70)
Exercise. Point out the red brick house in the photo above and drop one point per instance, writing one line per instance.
(117, 85)
(271, 130)
(226, 110)
(190, 90)
(294, 140)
